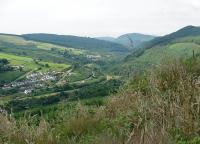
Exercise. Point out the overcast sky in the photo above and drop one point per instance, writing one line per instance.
(97, 17)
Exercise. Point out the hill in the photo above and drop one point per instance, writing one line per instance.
(184, 32)
(111, 39)
(181, 43)
(136, 38)
(131, 40)
(84, 43)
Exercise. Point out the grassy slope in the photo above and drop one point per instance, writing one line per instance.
(29, 64)
(10, 76)
(182, 47)
(177, 50)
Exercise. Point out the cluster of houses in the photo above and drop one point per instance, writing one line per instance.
(42, 76)
(93, 57)
(33, 81)
(18, 67)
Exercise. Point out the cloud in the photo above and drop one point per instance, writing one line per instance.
(97, 17)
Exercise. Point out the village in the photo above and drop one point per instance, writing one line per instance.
(33, 81)
(94, 57)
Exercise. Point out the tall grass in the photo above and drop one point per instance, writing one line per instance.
(22, 132)
(165, 106)
(160, 107)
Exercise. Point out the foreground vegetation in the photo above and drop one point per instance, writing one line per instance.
(161, 106)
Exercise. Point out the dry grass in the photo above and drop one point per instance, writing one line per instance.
(22, 133)
(167, 107)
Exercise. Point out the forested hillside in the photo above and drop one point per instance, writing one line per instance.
(183, 43)
(77, 42)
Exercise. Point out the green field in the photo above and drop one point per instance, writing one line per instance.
(47, 46)
(30, 64)
(10, 76)
(15, 39)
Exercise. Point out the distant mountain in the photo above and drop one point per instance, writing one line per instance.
(110, 39)
(136, 38)
(176, 45)
(77, 42)
(131, 40)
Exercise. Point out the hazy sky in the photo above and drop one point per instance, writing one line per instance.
(97, 17)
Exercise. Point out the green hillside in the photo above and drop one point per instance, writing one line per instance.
(77, 42)
(184, 32)
(131, 40)
(176, 45)
(110, 39)
(188, 31)
(30, 64)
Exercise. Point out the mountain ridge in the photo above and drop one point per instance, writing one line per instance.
(131, 40)
(76, 42)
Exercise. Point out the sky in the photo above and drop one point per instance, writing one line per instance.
(95, 18)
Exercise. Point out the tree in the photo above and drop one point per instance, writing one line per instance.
(20, 68)
(4, 61)
(46, 65)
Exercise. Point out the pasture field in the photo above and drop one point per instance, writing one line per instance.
(15, 39)
(30, 64)
(47, 46)
(10, 76)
